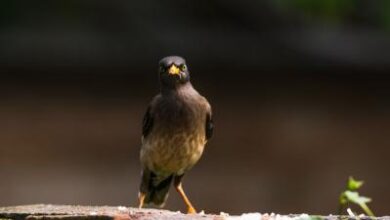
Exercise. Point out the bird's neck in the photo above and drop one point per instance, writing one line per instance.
(179, 89)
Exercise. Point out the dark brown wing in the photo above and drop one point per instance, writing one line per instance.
(209, 126)
(147, 123)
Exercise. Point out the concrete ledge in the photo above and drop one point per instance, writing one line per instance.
(91, 212)
(127, 213)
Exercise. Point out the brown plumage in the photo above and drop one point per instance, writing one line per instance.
(176, 127)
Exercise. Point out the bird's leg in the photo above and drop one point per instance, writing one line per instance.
(141, 198)
(144, 187)
(179, 189)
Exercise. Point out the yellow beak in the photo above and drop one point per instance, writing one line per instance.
(173, 70)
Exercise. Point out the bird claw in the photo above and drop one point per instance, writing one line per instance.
(191, 210)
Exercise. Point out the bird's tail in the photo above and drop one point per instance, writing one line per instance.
(155, 188)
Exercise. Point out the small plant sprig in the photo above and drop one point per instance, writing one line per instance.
(350, 195)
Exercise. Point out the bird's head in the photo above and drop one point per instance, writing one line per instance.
(173, 71)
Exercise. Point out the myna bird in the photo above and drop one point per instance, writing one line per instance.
(176, 127)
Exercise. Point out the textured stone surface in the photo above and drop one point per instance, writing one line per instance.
(91, 212)
(127, 213)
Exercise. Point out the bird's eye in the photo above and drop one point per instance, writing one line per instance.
(162, 69)
(183, 67)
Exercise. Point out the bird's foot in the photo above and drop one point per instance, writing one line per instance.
(191, 210)
(141, 198)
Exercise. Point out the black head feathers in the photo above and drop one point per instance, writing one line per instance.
(173, 72)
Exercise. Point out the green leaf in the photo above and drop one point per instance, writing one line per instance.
(352, 196)
(362, 201)
(354, 184)
(355, 198)
(343, 199)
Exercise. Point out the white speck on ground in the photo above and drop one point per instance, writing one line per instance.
(224, 214)
(250, 216)
(122, 208)
(350, 213)
(301, 217)
(259, 216)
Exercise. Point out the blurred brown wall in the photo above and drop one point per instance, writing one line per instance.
(283, 143)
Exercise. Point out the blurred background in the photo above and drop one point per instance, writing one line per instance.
(300, 91)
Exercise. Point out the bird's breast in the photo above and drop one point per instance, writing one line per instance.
(172, 153)
(176, 142)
